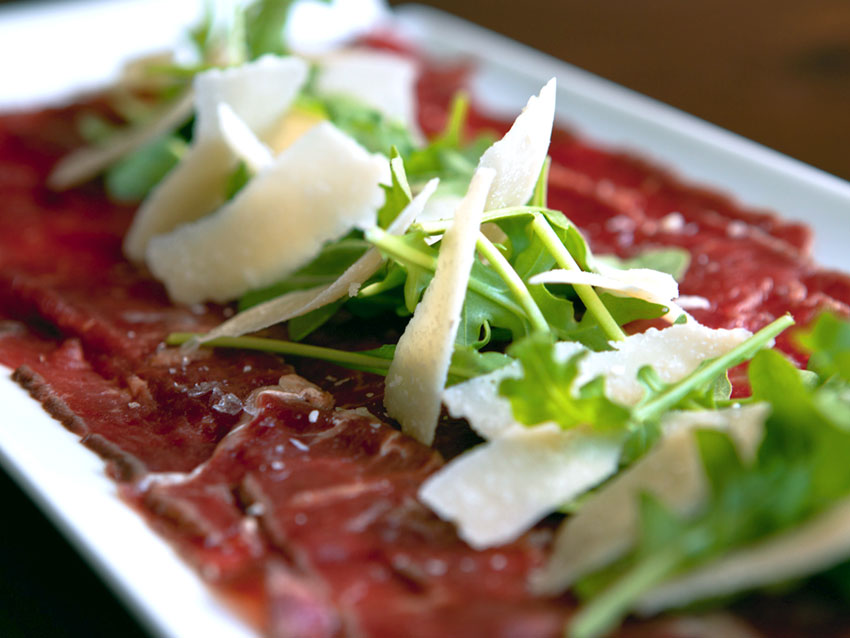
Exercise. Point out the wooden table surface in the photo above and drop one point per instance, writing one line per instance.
(776, 71)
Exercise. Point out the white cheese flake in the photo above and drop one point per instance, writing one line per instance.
(242, 140)
(417, 375)
(518, 157)
(259, 93)
(607, 524)
(383, 80)
(84, 163)
(498, 490)
(673, 352)
(320, 188)
(642, 283)
(507, 472)
(300, 302)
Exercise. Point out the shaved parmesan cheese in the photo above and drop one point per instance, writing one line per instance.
(478, 401)
(383, 80)
(644, 283)
(807, 549)
(417, 375)
(291, 127)
(440, 207)
(673, 353)
(693, 302)
(518, 157)
(498, 490)
(300, 302)
(83, 164)
(607, 524)
(476, 477)
(242, 141)
(259, 93)
(320, 188)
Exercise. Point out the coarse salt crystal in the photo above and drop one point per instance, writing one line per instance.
(672, 223)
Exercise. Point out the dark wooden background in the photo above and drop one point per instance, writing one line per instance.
(776, 71)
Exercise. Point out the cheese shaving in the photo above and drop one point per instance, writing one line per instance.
(259, 93)
(382, 80)
(477, 476)
(643, 283)
(518, 157)
(242, 141)
(84, 163)
(498, 490)
(317, 190)
(673, 353)
(607, 524)
(417, 375)
(300, 302)
(294, 125)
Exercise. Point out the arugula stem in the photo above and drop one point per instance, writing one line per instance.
(742, 352)
(355, 360)
(586, 293)
(278, 346)
(401, 252)
(607, 610)
(394, 280)
(456, 120)
(514, 282)
(439, 226)
(541, 189)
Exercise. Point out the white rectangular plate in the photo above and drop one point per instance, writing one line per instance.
(68, 482)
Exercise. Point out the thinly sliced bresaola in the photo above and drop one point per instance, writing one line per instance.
(524, 475)
(607, 524)
(418, 372)
(802, 551)
(518, 157)
(300, 302)
(320, 188)
(259, 93)
(383, 80)
(88, 161)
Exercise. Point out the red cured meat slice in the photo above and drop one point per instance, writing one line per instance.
(333, 540)
(335, 490)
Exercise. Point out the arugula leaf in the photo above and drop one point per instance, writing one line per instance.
(134, 176)
(546, 392)
(374, 131)
(325, 268)
(397, 194)
(467, 362)
(828, 341)
(265, 24)
(298, 328)
(488, 300)
(448, 156)
(800, 470)
(237, 180)
(590, 332)
(671, 260)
